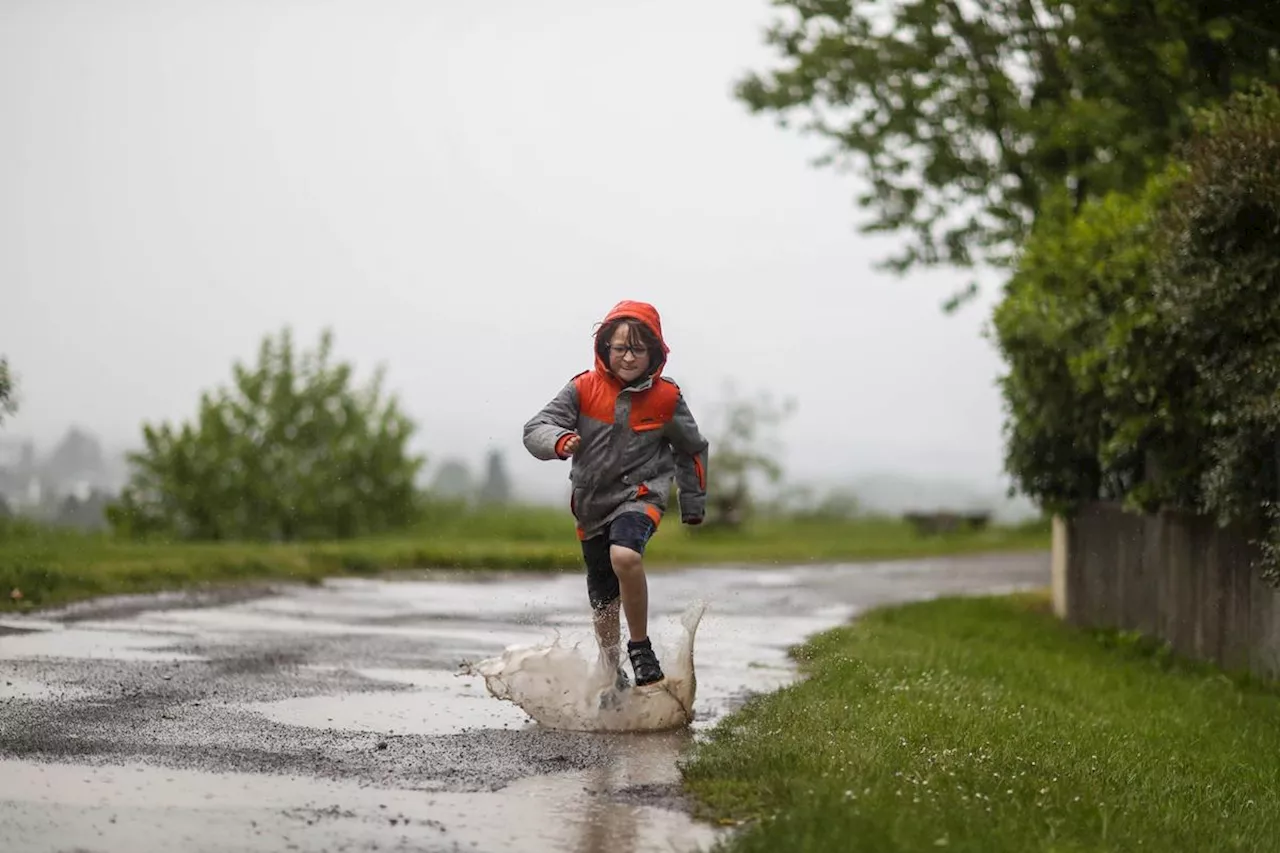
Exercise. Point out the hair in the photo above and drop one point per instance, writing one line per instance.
(637, 333)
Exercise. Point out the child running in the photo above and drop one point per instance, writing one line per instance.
(629, 433)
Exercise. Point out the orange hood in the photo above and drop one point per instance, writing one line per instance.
(646, 314)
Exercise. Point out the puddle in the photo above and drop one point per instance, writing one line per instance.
(235, 623)
(86, 643)
(24, 624)
(734, 658)
(520, 598)
(443, 704)
(21, 688)
(140, 809)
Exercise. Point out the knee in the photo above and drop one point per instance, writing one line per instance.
(625, 561)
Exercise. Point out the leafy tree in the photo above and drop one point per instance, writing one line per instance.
(453, 482)
(1143, 336)
(496, 488)
(292, 450)
(968, 118)
(8, 404)
(1219, 295)
(78, 455)
(744, 452)
(1070, 326)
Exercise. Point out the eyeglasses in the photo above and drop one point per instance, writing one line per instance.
(621, 350)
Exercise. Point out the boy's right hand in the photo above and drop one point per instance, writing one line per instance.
(568, 445)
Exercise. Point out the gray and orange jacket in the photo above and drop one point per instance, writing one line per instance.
(634, 440)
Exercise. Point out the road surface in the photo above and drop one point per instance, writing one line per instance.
(335, 717)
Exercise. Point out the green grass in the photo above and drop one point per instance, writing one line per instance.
(54, 567)
(987, 725)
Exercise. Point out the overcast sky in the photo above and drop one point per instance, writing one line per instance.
(460, 190)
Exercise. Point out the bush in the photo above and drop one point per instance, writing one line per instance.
(1143, 335)
(1218, 290)
(291, 452)
(8, 405)
(1081, 290)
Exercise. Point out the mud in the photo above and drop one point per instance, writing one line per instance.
(338, 717)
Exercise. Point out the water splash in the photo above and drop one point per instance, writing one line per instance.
(562, 687)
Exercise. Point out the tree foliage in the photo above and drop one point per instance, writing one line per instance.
(292, 450)
(967, 119)
(744, 456)
(1143, 335)
(496, 488)
(1076, 313)
(8, 404)
(452, 482)
(1220, 291)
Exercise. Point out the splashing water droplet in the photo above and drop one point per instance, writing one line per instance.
(561, 688)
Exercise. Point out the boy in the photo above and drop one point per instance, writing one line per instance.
(629, 433)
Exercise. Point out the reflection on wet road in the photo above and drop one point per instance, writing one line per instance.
(334, 717)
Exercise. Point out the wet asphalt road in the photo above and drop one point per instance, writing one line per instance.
(336, 718)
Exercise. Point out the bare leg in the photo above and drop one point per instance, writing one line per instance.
(608, 632)
(629, 567)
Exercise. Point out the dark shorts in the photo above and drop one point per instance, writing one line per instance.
(630, 530)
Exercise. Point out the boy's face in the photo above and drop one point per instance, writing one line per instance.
(627, 360)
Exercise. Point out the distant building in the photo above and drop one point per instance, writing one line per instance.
(71, 485)
(19, 478)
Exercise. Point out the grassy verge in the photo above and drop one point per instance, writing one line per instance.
(51, 567)
(986, 725)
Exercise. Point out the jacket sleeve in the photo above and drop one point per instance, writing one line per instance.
(691, 450)
(559, 418)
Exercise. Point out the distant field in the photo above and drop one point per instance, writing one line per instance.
(52, 567)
